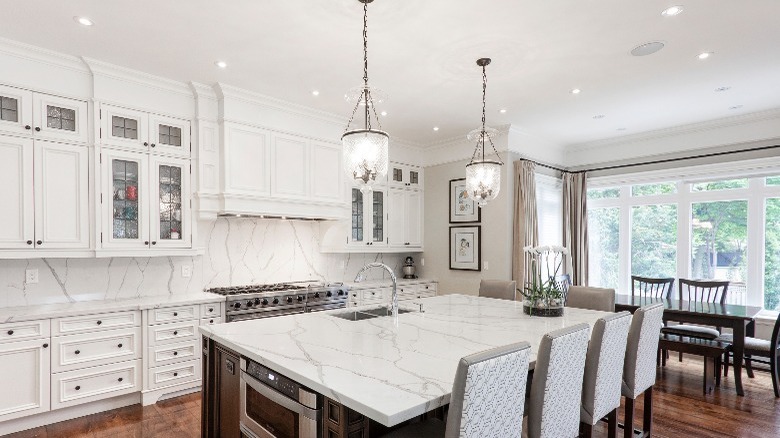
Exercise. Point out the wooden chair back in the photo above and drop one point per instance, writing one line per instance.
(703, 291)
(647, 287)
(562, 282)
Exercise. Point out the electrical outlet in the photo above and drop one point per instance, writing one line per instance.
(31, 276)
(186, 271)
(422, 262)
(485, 266)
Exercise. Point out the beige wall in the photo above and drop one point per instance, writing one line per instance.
(496, 230)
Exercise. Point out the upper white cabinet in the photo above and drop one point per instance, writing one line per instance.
(404, 176)
(368, 218)
(17, 223)
(141, 131)
(405, 219)
(279, 174)
(24, 112)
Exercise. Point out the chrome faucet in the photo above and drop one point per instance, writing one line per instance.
(361, 276)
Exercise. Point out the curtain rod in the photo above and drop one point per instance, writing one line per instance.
(661, 161)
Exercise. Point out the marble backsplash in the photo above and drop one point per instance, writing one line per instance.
(237, 251)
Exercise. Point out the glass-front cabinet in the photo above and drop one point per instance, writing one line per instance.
(141, 131)
(170, 203)
(368, 217)
(404, 176)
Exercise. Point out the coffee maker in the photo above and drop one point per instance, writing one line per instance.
(409, 268)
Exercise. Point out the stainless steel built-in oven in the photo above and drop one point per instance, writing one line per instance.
(274, 406)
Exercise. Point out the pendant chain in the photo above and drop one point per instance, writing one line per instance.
(365, 95)
(484, 135)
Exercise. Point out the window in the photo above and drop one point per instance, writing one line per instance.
(720, 185)
(549, 210)
(603, 193)
(603, 246)
(719, 240)
(772, 254)
(773, 181)
(653, 189)
(654, 240)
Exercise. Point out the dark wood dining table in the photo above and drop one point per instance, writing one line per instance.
(741, 320)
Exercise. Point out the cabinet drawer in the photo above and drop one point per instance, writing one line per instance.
(211, 310)
(92, 349)
(210, 321)
(428, 287)
(173, 314)
(174, 332)
(97, 383)
(374, 295)
(172, 353)
(19, 331)
(91, 323)
(408, 290)
(169, 375)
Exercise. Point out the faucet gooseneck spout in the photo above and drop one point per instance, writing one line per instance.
(361, 276)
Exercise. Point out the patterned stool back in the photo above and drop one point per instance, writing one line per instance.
(641, 349)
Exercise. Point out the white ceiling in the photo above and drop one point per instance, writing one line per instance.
(422, 53)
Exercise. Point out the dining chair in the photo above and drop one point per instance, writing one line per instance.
(556, 386)
(762, 348)
(593, 298)
(488, 397)
(601, 388)
(500, 289)
(639, 370)
(648, 287)
(700, 292)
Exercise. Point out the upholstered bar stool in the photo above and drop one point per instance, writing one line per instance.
(639, 370)
(487, 400)
(593, 298)
(601, 389)
(556, 389)
(504, 290)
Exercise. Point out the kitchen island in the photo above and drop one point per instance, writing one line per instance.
(386, 372)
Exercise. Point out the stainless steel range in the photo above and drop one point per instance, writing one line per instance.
(267, 300)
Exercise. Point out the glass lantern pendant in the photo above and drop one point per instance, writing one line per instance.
(366, 148)
(483, 175)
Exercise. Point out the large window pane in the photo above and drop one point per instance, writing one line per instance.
(603, 245)
(773, 181)
(720, 185)
(772, 255)
(654, 240)
(653, 189)
(719, 242)
(611, 192)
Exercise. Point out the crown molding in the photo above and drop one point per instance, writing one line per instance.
(45, 56)
(113, 71)
(203, 91)
(659, 134)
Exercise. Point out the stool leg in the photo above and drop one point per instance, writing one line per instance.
(586, 430)
(628, 426)
(726, 364)
(718, 366)
(612, 424)
(749, 366)
(709, 374)
(647, 426)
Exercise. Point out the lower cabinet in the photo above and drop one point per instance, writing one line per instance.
(24, 377)
(96, 383)
(382, 294)
(220, 409)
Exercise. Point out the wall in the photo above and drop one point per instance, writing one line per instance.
(496, 225)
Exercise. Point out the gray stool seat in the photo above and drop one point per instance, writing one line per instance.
(754, 344)
(691, 330)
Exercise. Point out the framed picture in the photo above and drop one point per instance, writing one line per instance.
(462, 207)
(465, 249)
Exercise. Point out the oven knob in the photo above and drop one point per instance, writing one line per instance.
(237, 305)
(289, 299)
(300, 298)
(341, 292)
(265, 301)
(316, 294)
(276, 300)
(330, 294)
(257, 301)
(250, 303)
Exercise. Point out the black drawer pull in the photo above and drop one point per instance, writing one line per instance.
(175, 374)
(78, 351)
(175, 333)
(120, 379)
(40, 242)
(119, 346)
(10, 332)
(27, 127)
(99, 322)
(77, 388)
(175, 313)
(175, 353)
(45, 345)
(211, 321)
(211, 309)
(29, 242)
(37, 129)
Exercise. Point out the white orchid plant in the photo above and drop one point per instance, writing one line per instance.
(543, 290)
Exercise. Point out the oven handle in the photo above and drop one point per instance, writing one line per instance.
(280, 399)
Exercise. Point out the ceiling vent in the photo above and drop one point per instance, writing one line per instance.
(647, 48)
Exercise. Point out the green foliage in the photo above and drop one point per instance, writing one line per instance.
(654, 240)
(653, 189)
(773, 181)
(721, 228)
(608, 193)
(604, 242)
(720, 185)
(772, 257)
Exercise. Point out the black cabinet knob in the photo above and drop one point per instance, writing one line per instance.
(146, 143)
(78, 388)
(237, 305)
(10, 332)
(154, 242)
(276, 300)
(300, 298)
(154, 145)
(29, 242)
(289, 299)
(27, 127)
(175, 333)
(175, 374)
(211, 309)
(37, 129)
(119, 346)
(40, 242)
(78, 351)
(120, 379)
(211, 321)
(175, 353)
(175, 313)
(146, 242)
(99, 322)
(45, 345)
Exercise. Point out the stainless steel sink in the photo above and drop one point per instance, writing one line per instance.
(360, 315)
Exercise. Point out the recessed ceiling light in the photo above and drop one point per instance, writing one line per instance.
(599, 116)
(221, 64)
(704, 55)
(722, 89)
(384, 113)
(647, 48)
(84, 21)
(435, 128)
(575, 91)
(315, 93)
(502, 110)
(735, 107)
(672, 11)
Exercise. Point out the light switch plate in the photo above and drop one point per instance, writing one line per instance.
(31, 276)
(485, 266)
(186, 271)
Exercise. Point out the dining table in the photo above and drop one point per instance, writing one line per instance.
(740, 319)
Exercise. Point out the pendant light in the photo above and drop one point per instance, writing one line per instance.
(365, 148)
(483, 176)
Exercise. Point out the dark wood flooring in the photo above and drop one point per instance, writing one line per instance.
(681, 410)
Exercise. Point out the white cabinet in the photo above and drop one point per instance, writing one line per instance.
(368, 217)
(380, 294)
(246, 159)
(289, 167)
(86, 385)
(24, 377)
(327, 178)
(16, 177)
(141, 131)
(61, 196)
(60, 118)
(404, 176)
(145, 200)
(405, 218)
(16, 111)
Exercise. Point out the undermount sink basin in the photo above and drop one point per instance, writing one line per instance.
(360, 315)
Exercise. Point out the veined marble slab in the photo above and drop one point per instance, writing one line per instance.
(58, 310)
(389, 373)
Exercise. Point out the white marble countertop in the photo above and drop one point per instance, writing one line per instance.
(370, 284)
(57, 310)
(390, 374)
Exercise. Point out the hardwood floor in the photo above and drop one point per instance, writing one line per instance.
(681, 410)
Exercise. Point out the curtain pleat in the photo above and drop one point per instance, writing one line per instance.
(526, 227)
(575, 225)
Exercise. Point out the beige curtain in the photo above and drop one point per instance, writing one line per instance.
(575, 225)
(526, 229)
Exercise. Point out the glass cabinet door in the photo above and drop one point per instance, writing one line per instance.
(357, 223)
(15, 111)
(126, 183)
(169, 136)
(59, 118)
(377, 216)
(125, 128)
(170, 217)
